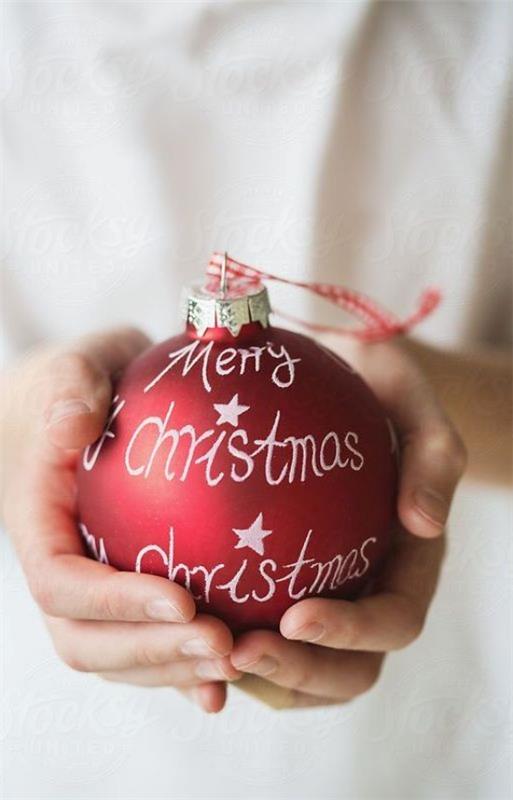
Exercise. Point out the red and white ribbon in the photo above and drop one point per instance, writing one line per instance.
(378, 323)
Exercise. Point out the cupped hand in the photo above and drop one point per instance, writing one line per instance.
(139, 629)
(330, 651)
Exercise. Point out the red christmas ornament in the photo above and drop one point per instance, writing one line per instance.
(246, 462)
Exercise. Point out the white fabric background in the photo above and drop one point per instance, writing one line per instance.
(362, 143)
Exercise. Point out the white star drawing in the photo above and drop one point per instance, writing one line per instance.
(230, 412)
(253, 536)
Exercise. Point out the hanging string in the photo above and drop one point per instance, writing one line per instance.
(378, 323)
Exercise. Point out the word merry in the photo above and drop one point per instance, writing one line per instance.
(289, 459)
(229, 360)
(302, 577)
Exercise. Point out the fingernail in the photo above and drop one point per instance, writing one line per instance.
(432, 506)
(210, 671)
(66, 408)
(265, 665)
(199, 647)
(163, 610)
(308, 633)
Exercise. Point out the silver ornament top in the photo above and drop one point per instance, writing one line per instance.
(228, 306)
(230, 309)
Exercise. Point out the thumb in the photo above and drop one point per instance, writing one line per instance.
(433, 461)
(78, 386)
(433, 455)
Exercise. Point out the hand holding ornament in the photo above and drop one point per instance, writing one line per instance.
(141, 629)
(330, 651)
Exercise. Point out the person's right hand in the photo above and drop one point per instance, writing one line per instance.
(127, 627)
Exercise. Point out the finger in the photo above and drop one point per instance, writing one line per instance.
(40, 515)
(211, 697)
(305, 667)
(432, 453)
(278, 697)
(378, 624)
(179, 674)
(107, 646)
(62, 580)
(66, 583)
(433, 462)
(76, 386)
(76, 587)
(388, 620)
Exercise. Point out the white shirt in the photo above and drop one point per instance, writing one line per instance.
(358, 143)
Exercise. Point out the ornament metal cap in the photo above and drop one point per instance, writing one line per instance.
(229, 306)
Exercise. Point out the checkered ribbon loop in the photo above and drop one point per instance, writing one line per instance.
(378, 323)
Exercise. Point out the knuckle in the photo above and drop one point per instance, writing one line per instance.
(135, 335)
(111, 605)
(441, 439)
(75, 367)
(43, 593)
(351, 634)
(302, 678)
(446, 442)
(152, 654)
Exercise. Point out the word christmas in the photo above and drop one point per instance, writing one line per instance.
(282, 459)
(302, 577)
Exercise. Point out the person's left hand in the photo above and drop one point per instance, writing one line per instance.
(329, 651)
